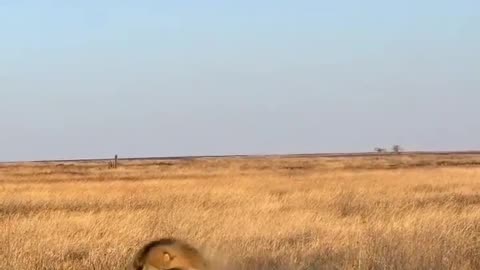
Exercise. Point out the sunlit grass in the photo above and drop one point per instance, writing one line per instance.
(395, 212)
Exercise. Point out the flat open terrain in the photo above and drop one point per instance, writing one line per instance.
(385, 212)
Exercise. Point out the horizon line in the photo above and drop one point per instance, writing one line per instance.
(318, 154)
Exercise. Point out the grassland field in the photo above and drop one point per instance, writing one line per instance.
(376, 212)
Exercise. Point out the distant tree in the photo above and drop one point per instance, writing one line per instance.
(380, 150)
(397, 149)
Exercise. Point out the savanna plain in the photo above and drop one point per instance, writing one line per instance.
(376, 212)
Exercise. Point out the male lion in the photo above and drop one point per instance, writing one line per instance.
(169, 254)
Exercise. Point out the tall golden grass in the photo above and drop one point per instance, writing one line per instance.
(394, 212)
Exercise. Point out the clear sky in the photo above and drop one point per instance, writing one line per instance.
(88, 79)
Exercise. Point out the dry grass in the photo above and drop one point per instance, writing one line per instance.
(404, 212)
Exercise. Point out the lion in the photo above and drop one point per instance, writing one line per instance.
(169, 254)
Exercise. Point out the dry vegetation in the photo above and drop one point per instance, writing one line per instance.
(396, 212)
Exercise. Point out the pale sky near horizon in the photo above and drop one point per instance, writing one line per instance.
(90, 79)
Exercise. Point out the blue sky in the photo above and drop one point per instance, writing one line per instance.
(86, 79)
